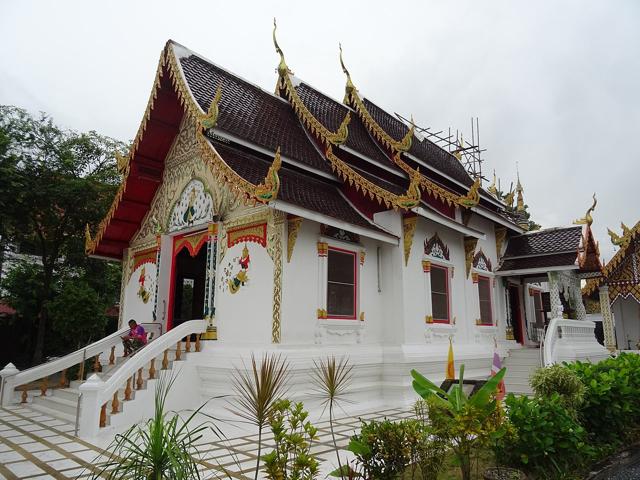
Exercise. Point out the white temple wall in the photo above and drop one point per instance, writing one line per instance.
(626, 312)
(246, 315)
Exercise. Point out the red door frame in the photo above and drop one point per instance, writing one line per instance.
(193, 251)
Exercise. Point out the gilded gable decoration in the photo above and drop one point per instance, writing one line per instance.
(412, 198)
(339, 234)
(293, 226)
(269, 188)
(211, 118)
(482, 262)
(435, 247)
(501, 235)
(469, 248)
(587, 219)
(194, 207)
(408, 229)
(473, 197)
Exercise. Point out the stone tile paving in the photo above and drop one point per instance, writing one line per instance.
(36, 446)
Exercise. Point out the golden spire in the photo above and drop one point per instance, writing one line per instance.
(519, 191)
(349, 87)
(587, 219)
(211, 118)
(493, 189)
(283, 70)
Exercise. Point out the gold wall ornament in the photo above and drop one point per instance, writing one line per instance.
(363, 255)
(426, 266)
(587, 219)
(323, 249)
(428, 319)
(501, 235)
(211, 118)
(293, 226)
(413, 196)
(472, 198)
(408, 229)
(322, 313)
(362, 316)
(469, 249)
(274, 248)
(269, 188)
(475, 277)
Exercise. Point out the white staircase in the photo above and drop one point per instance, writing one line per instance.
(110, 390)
(520, 364)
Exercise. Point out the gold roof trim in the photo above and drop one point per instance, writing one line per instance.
(124, 164)
(626, 239)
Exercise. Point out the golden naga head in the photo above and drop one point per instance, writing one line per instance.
(340, 135)
(472, 198)
(413, 196)
(269, 188)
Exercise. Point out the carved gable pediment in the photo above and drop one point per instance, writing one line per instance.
(436, 248)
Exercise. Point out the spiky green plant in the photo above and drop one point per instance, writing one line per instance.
(257, 389)
(332, 379)
(163, 447)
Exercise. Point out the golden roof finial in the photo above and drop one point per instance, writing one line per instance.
(472, 198)
(493, 189)
(620, 240)
(413, 196)
(350, 87)
(211, 118)
(587, 219)
(405, 144)
(282, 66)
(269, 188)
(340, 135)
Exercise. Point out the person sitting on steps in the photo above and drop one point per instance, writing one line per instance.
(135, 339)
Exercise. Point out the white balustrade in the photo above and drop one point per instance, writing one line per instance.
(97, 395)
(570, 340)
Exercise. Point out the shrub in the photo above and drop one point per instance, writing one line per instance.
(549, 438)
(381, 449)
(558, 379)
(292, 435)
(610, 410)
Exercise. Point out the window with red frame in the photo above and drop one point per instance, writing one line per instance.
(539, 308)
(484, 292)
(440, 294)
(341, 283)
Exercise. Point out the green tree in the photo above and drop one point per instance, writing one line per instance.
(54, 182)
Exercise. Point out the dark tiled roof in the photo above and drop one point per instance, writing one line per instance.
(331, 114)
(425, 150)
(295, 188)
(250, 113)
(549, 241)
(543, 261)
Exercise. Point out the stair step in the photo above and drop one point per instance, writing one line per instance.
(58, 404)
(53, 413)
(67, 393)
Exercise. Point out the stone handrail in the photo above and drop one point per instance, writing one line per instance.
(561, 330)
(96, 394)
(13, 378)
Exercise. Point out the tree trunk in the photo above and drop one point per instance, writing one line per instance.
(40, 334)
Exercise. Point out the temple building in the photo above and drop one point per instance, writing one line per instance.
(251, 221)
(616, 292)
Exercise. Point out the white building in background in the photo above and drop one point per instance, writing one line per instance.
(294, 223)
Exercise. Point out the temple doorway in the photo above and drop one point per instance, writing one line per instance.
(515, 313)
(189, 286)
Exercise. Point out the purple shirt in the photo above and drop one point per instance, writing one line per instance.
(139, 333)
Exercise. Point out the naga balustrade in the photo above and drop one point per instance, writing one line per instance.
(562, 333)
(14, 380)
(98, 398)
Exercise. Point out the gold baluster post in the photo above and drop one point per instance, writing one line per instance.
(103, 416)
(152, 369)
(81, 371)
(96, 364)
(178, 351)
(197, 342)
(127, 390)
(43, 386)
(165, 360)
(63, 379)
(187, 345)
(112, 356)
(115, 403)
(23, 398)
(140, 381)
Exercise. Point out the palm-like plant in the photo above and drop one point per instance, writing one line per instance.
(257, 390)
(163, 447)
(332, 379)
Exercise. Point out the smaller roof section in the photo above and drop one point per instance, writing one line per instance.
(568, 248)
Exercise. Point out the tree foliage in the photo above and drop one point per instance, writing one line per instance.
(54, 182)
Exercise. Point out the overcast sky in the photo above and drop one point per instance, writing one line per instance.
(556, 85)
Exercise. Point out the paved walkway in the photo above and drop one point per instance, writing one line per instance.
(36, 446)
